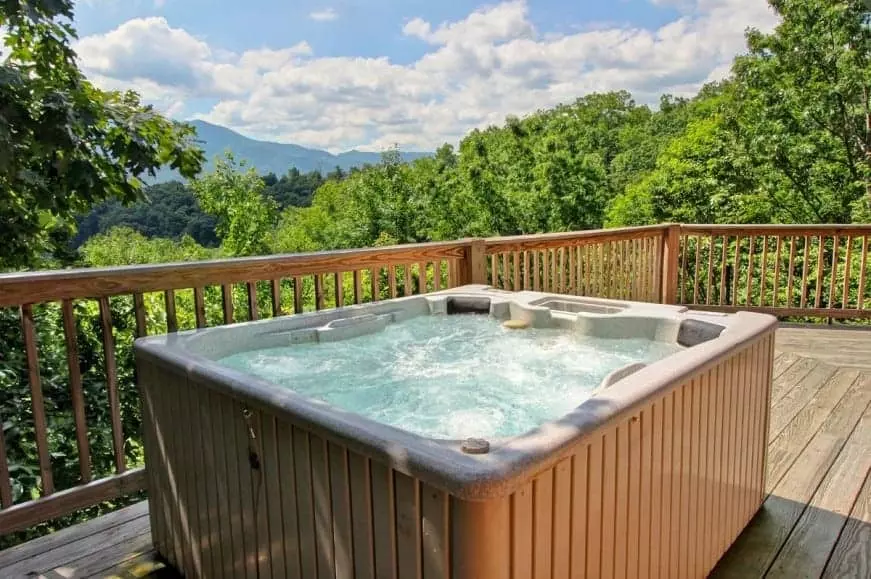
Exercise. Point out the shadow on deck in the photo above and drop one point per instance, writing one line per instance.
(816, 521)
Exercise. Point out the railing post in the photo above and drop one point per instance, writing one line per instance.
(473, 269)
(669, 261)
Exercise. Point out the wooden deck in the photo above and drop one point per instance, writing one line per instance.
(816, 521)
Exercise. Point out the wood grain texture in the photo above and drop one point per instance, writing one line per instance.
(37, 402)
(112, 384)
(76, 392)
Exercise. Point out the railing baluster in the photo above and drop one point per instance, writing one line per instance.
(710, 287)
(820, 260)
(297, 295)
(790, 282)
(846, 298)
(834, 281)
(545, 270)
(339, 280)
(696, 272)
(736, 272)
(358, 286)
(37, 403)
(169, 305)
(77, 395)
(319, 291)
(5, 481)
(406, 270)
(375, 282)
(494, 270)
(682, 276)
(112, 384)
(391, 280)
(764, 271)
(775, 296)
(251, 292)
(536, 284)
(721, 301)
(526, 270)
(437, 275)
(227, 302)
(562, 270)
(804, 271)
(139, 313)
(516, 259)
(421, 277)
(506, 271)
(862, 269)
(750, 259)
(199, 307)
(275, 286)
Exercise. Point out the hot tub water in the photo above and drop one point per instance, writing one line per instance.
(452, 376)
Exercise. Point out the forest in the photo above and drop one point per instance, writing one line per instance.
(785, 138)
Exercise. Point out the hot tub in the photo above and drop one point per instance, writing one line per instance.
(643, 467)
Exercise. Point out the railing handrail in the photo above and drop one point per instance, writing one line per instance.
(30, 287)
(545, 240)
(775, 229)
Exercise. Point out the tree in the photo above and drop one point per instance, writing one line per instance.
(235, 197)
(804, 96)
(65, 143)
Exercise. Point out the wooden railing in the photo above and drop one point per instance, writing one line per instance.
(620, 264)
(807, 271)
(80, 377)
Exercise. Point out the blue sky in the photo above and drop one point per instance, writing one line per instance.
(342, 74)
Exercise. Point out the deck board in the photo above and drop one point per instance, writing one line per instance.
(816, 521)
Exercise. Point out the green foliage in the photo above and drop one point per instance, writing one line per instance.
(67, 144)
(235, 197)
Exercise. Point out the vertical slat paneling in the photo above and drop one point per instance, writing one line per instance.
(536, 270)
(246, 497)
(750, 259)
(361, 516)
(269, 499)
(408, 521)
(384, 521)
(112, 384)
(804, 271)
(722, 297)
(764, 274)
(76, 392)
(37, 403)
(791, 273)
(594, 507)
(305, 505)
(286, 447)
(521, 532)
(821, 252)
(340, 491)
(435, 533)
(833, 283)
(207, 477)
(542, 525)
(189, 496)
(621, 519)
(562, 512)
(633, 521)
(676, 483)
(323, 529)
(845, 299)
(151, 444)
(580, 497)
(225, 512)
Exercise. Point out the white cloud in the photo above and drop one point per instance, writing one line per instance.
(475, 72)
(324, 15)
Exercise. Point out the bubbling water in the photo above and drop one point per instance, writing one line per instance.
(452, 376)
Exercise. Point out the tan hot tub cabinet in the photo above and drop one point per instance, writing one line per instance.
(656, 475)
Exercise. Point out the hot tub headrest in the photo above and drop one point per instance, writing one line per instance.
(468, 305)
(694, 332)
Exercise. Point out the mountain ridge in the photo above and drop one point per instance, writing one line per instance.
(272, 157)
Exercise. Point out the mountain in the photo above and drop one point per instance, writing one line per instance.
(269, 157)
